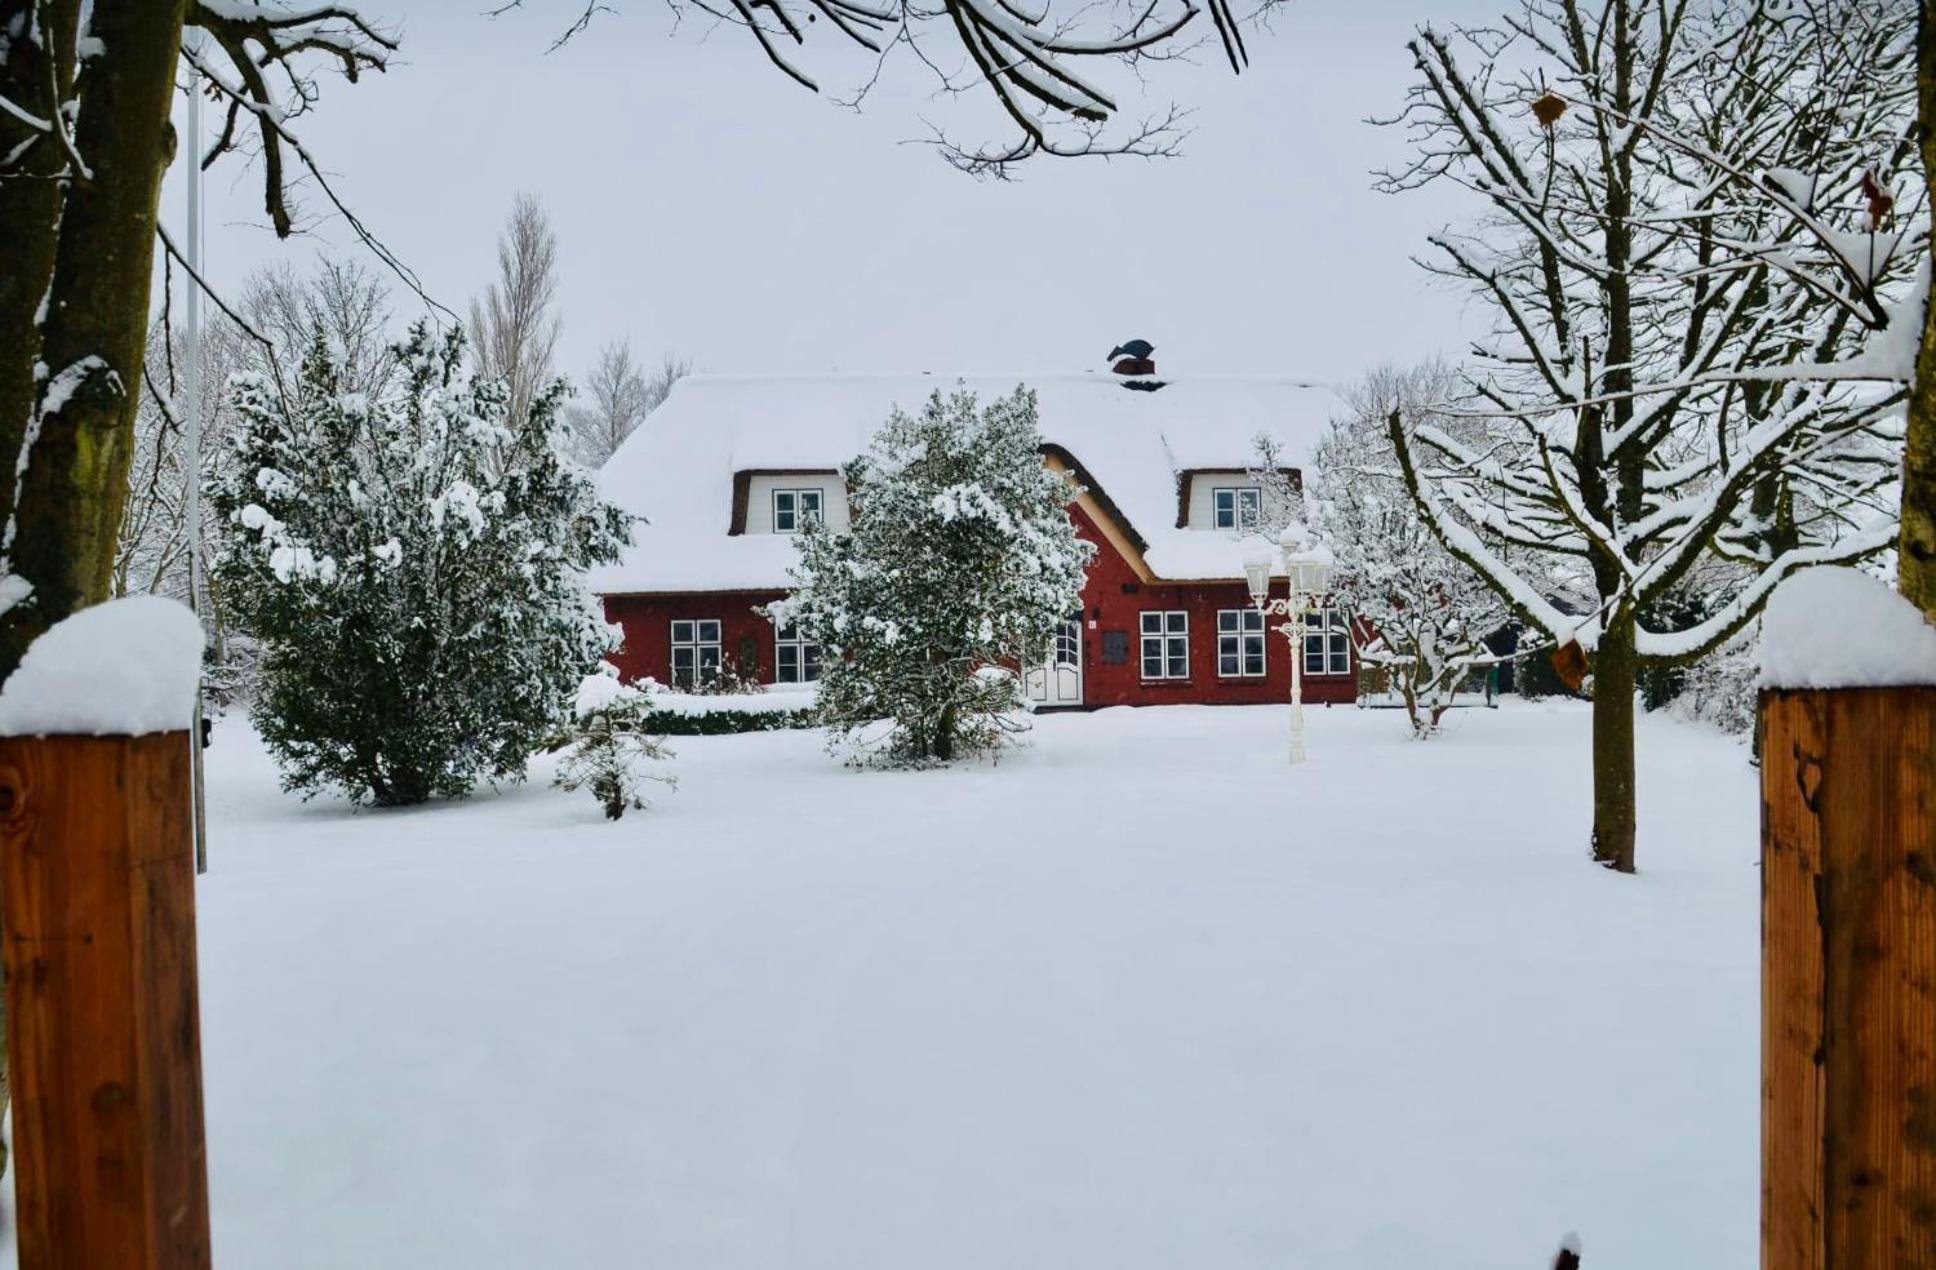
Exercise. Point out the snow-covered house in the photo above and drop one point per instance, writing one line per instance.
(730, 468)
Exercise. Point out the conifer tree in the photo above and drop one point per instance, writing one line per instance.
(414, 567)
(960, 560)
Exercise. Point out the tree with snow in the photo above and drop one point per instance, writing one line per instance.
(82, 156)
(1664, 298)
(414, 568)
(1916, 548)
(607, 747)
(1427, 613)
(960, 560)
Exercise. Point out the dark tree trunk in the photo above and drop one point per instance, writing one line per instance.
(94, 332)
(1916, 557)
(1614, 674)
(944, 735)
(32, 75)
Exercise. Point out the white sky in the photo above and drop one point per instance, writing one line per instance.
(707, 205)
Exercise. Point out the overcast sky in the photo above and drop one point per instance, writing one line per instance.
(706, 205)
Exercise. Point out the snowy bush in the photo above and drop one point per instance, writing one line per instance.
(1720, 688)
(961, 556)
(413, 568)
(756, 708)
(610, 747)
(1427, 614)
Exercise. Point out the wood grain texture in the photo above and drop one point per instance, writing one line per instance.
(1849, 979)
(98, 911)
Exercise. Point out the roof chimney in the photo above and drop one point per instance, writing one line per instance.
(1132, 358)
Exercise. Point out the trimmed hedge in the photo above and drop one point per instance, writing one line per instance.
(723, 722)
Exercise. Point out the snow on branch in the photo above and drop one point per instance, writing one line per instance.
(1703, 246)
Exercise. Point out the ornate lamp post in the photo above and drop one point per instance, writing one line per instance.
(1307, 572)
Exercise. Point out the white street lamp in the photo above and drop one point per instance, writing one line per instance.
(1307, 572)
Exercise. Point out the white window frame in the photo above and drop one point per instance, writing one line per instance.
(806, 656)
(695, 644)
(1327, 642)
(799, 515)
(1169, 634)
(1240, 639)
(1246, 507)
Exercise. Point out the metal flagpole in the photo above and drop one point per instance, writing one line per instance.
(192, 430)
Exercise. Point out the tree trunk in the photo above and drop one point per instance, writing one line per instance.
(30, 216)
(944, 735)
(1614, 673)
(1916, 555)
(93, 336)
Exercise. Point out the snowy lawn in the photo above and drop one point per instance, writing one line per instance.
(1141, 996)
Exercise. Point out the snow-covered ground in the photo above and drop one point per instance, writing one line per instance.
(1140, 996)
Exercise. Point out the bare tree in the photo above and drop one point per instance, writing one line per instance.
(81, 158)
(617, 397)
(1420, 614)
(658, 385)
(514, 333)
(1684, 270)
(347, 302)
(1916, 550)
(1029, 56)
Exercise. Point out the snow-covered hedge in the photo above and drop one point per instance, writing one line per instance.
(672, 713)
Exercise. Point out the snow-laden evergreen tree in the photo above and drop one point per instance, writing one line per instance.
(414, 568)
(960, 560)
(1427, 613)
(608, 749)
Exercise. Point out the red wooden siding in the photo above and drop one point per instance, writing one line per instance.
(1113, 600)
(647, 621)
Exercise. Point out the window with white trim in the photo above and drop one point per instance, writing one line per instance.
(695, 652)
(795, 509)
(1166, 644)
(1236, 507)
(796, 659)
(1240, 643)
(1327, 643)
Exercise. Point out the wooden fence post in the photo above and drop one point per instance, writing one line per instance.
(97, 907)
(1848, 838)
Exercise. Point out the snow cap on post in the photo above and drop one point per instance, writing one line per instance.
(1841, 628)
(123, 668)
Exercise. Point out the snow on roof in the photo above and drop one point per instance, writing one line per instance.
(1840, 628)
(677, 469)
(124, 668)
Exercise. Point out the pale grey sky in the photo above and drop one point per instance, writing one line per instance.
(707, 205)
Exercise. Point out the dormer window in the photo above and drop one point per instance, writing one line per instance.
(1236, 507)
(795, 509)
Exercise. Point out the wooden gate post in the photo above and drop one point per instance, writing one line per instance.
(1848, 834)
(97, 910)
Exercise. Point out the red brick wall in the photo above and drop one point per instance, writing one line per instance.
(1112, 600)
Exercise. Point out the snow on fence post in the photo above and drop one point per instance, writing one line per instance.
(1848, 829)
(97, 905)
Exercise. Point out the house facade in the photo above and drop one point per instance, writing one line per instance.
(728, 470)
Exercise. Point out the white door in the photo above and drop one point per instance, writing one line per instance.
(1058, 682)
